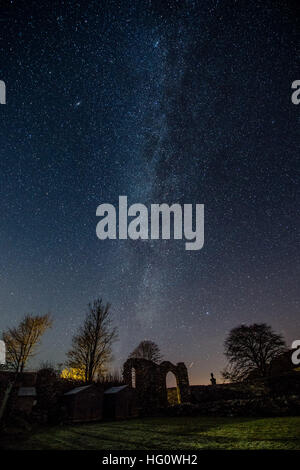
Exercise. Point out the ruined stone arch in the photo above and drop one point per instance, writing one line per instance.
(165, 368)
(133, 377)
(172, 389)
(150, 381)
(182, 380)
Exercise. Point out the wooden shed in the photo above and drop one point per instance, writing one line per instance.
(26, 399)
(119, 403)
(84, 403)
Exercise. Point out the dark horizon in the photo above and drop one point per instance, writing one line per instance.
(184, 103)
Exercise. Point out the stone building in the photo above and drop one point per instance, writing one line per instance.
(149, 381)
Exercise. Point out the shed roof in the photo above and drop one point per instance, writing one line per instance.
(115, 389)
(27, 392)
(78, 390)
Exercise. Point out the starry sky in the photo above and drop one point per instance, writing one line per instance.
(174, 101)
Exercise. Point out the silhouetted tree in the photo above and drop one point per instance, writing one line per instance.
(21, 342)
(91, 346)
(147, 350)
(250, 349)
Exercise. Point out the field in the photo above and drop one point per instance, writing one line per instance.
(168, 434)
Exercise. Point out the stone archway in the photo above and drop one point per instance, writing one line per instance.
(180, 372)
(150, 382)
(173, 392)
(133, 377)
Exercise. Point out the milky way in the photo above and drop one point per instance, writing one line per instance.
(185, 102)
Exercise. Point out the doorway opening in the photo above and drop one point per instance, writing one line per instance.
(173, 392)
(133, 377)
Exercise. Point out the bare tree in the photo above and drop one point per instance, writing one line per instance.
(21, 342)
(250, 349)
(147, 350)
(91, 346)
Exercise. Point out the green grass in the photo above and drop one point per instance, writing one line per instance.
(169, 434)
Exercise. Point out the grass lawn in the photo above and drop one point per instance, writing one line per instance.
(169, 434)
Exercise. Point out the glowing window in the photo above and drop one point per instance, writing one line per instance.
(133, 378)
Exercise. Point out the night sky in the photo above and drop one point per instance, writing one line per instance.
(162, 101)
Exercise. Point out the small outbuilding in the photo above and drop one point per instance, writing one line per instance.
(26, 399)
(84, 403)
(120, 403)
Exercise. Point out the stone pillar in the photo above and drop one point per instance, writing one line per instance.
(183, 382)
